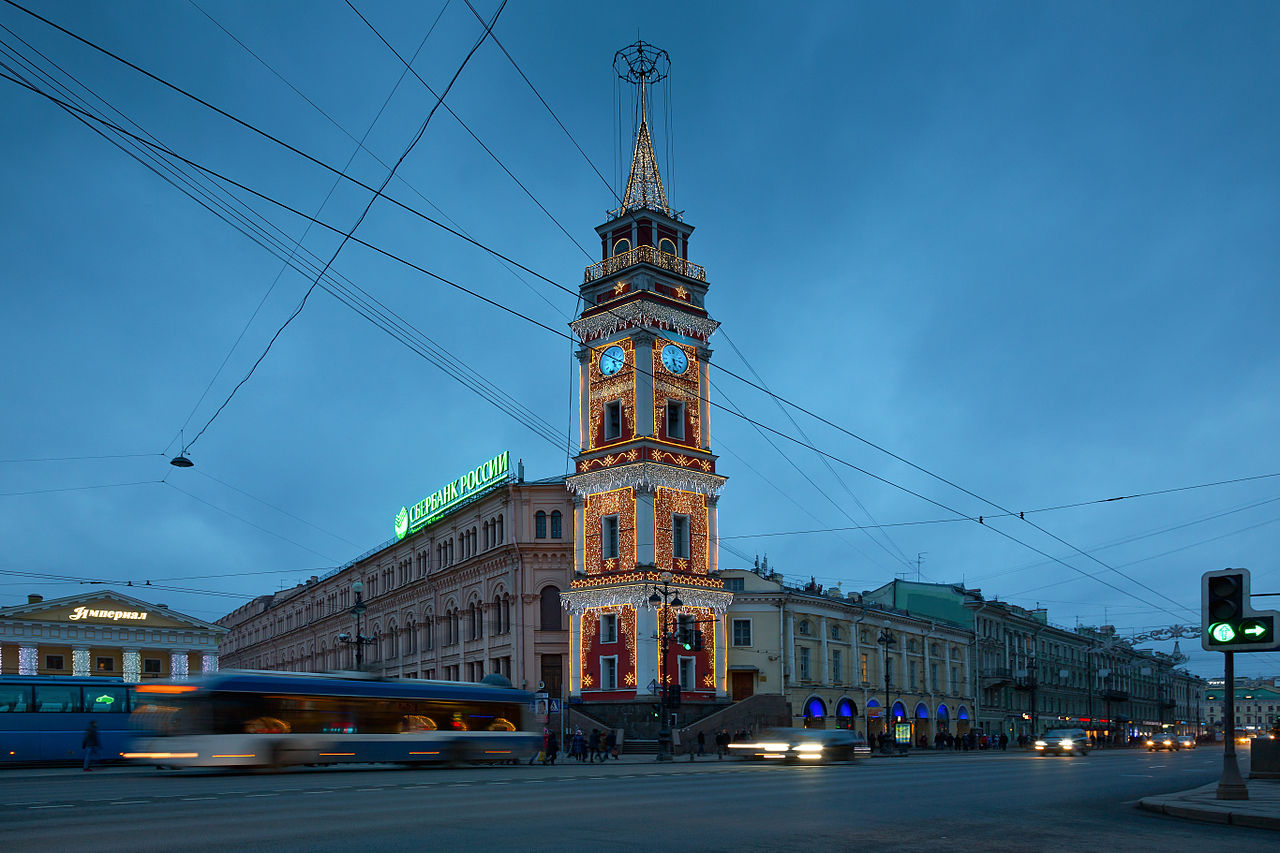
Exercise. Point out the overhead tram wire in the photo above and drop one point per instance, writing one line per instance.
(298, 243)
(468, 129)
(364, 303)
(347, 236)
(489, 301)
(77, 458)
(554, 331)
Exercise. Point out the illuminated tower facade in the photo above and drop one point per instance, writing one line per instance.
(645, 484)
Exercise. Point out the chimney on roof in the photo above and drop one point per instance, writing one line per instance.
(34, 599)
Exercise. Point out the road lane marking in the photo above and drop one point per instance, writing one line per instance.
(192, 799)
(55, 806)
(261, 795)
(129, 802)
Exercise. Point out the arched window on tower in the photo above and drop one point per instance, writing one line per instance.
(540, 525)
(550, 610)
(667, 245)
(621, 246)
(556, 524)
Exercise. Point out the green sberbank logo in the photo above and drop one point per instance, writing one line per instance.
(414, 518)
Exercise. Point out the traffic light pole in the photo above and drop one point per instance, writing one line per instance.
(1231, 784)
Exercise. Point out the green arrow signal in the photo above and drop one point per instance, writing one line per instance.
(1222, 632)
(1255, 629)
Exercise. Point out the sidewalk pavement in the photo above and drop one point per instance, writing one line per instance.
(1261, 810)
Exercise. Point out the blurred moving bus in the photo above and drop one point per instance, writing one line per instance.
(44, 717)
(275, 719)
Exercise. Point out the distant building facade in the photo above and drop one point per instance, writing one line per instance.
(822, 651)
(105, 634)
(470, 586)
(1033, 675)
(1257, 707)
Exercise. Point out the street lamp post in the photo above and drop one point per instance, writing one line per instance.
(668, 598)
(886, 639)
(359, 640)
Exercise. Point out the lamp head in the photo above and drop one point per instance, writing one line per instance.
(655, 598)
(357, 587)
(676, 602)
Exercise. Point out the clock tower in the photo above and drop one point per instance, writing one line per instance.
(646, 603)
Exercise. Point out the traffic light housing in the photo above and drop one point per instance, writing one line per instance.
(1227, 622)
(684, 636)
(673, 695)
(697, 640)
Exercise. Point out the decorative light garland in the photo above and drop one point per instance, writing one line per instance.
(582, 599)
(209, 663)
(647, 476)
(668, 502)
(28, 660)
(644, 313)
(620, 502)
(80, 662)
(178, 666)
(132, 667)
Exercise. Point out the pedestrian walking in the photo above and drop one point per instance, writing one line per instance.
(90, 743)
(611, 743)
(1004, 741)
(722, 744)
(702, 743)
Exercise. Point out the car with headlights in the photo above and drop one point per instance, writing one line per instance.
(807, 745)
(1063, 742)
(1186, 742)
(1161, 741)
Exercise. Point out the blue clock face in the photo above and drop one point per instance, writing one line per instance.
(674, 359)
(612, 360)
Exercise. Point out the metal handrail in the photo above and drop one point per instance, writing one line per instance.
(644, 255)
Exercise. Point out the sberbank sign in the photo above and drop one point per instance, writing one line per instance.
(443, 499)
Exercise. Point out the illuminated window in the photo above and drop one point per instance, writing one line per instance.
(540, 525)
(613, 420)
(862, 669)
(609, 537)
(106, 665)
(609, 673)
(675, 420)
(742, 632)
(680, 536)
(557, 524)
(623, 245)
(608, 628)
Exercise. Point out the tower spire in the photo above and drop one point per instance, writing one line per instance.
(643, 65)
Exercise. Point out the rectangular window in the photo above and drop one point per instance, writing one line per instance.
(802, 653)
(53, 661)
(675, 420)
(151, 666)
(609, 537)
(688, 674)
(735, 584)
(837, 675)
(863, 672)
(680, 537)
(914, 667)
(613, 420)
(106, 665)
(742, 632)
(888, 669)
(955, 680)
(608, 628)
(609, 673)
(933, 677)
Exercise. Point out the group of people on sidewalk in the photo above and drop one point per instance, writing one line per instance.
(601, 745)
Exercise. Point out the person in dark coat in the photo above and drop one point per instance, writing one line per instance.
(90, 743)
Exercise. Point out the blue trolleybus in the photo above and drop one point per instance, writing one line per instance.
(43, 718)
(274, 719)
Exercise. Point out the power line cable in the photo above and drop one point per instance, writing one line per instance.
(80, 488)
(77, 458)
(555, 331)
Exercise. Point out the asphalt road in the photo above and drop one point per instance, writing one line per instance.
(965, 801)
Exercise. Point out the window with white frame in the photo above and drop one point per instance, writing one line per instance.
(837, 667)
(688, 674)
(608, 628)
(609, 537)
(609, 673)
(680, 536)
(613, 420)
(742, 632)
(802, 656)
(675, 420)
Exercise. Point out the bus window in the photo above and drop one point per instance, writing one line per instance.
(57, 698)
(501, 724)
(105, 700)
(417, 723)
(267, 726)
(457, 723)
(14, 698)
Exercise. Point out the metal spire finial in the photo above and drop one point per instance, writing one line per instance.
(643, 65)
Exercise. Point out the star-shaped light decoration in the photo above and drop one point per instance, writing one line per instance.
(619, 288)
(682, 293)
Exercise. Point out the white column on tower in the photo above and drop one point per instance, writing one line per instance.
(575, 652)
(646, 648)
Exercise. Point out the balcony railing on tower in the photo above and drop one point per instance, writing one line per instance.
(644, 255)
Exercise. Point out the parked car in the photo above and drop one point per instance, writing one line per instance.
(1063, 742)
(1162, 741)
(1186, 742)
(808, 745)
